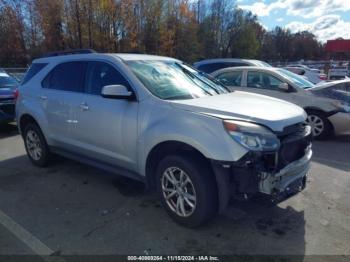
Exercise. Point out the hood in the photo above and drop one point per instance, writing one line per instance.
(332, 92)
(271, 112)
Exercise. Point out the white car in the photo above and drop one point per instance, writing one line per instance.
(313, 75)
(338, 73)
(326, 116)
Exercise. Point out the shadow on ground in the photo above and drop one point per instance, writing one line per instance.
(8, 130)
(334, 152)
(74, 209)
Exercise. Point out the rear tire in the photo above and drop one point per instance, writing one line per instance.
(320, 126)
(187, 190)
(36, 146)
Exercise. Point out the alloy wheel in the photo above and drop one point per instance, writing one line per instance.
(316, 123)
(33, 145)
(178, 191)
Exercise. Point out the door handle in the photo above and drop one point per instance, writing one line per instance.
(84, 106)
(42, 97)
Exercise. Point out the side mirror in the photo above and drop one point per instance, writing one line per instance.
(283, 87)
(116, 92)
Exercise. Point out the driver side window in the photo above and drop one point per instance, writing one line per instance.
(100, 74)
(230, 78)
(263, 81)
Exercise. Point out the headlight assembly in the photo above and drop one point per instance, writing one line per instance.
(252, 136)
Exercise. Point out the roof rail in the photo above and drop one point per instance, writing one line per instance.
(70, 52)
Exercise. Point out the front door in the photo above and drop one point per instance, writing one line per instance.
(106, 129)
(266, 84)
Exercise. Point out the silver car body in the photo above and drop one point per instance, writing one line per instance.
(122, 133)
(301, 97)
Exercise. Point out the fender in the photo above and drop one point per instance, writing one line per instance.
(204, 133)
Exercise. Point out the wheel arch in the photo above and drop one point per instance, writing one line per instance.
(165, 148)
(326, 115)
(26, 119)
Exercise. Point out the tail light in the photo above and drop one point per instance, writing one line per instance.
(323, 77)
(16, 94)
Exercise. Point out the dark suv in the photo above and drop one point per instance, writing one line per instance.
(8, 87)
(210, 65)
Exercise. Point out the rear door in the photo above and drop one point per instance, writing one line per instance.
(106, 129)
(267, 84)
(61, 88)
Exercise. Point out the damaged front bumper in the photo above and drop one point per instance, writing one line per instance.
(276, 174)
(275, 183)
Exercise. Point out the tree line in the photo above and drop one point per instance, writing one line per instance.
(186, 29)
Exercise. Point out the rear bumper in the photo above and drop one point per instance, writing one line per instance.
(340, 122)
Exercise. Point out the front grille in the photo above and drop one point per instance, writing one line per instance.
(294, 145)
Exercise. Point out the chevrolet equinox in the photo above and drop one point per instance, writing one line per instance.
(160, 121)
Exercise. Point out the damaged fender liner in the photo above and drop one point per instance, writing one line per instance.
(254, 174)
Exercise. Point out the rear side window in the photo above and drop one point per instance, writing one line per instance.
(66, 77)
(100, 74)
(33, 70)
(231, 78)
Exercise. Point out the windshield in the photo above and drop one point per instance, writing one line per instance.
(7, 81)
(170, 80)
(297, 80)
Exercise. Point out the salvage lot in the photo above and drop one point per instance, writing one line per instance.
(74, 209)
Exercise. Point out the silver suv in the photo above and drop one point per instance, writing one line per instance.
(158, 120)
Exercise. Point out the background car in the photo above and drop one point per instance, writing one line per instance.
(338, 72)
(313, 75)
(210, 65)
(8, 87)
(324, 114)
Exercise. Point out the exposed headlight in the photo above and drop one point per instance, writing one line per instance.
(252, 136)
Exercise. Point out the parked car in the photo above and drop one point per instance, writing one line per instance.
(210, 65)
(338, 73)
(8, 87)
(159, 121)
(339, 90)
(324, 114)
(313, 75)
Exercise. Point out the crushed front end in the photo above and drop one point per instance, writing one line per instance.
(278, 173)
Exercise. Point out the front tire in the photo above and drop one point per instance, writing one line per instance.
(320, 126)
(36, 146)
(187, 190)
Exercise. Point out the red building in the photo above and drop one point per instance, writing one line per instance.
(338, 49)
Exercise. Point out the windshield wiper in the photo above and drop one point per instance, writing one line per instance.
(214, 80)
(190, 74)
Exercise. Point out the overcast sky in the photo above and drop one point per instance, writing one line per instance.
(327, 19)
